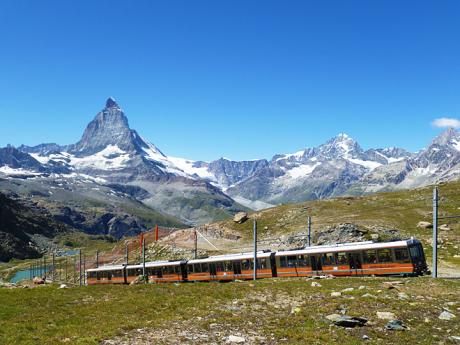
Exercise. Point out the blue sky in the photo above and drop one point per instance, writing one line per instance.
(240, 79)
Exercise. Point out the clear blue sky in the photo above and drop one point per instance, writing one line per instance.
(240, 79)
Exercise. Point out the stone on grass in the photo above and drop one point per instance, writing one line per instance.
(403, 295)
(240, 217)
(336, 294)
(38, 281)
(368, 295)
(315, 284)
(362, 287)
(395, 325)
(235, 339)
(386, 315)
(444, 227)
(63, 286)
(445, 315)
(346, 321)
(348, 290)
(424, 225)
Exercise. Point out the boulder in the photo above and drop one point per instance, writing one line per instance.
(315, 284)
(424, 225)
(386, 315)
(336, 294)
(346, 321)
(235, 339)
(240, 217)
(444, 227)
(445, 315)
(395, 325)
(38, 281)
(63, 286)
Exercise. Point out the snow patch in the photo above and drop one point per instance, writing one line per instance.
(110, 158)
(367, 164)
(11, 171)
(302, 170)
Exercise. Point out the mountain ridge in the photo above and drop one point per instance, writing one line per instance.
(109, 151)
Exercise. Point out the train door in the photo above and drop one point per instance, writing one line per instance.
(273, 265)
(237, 268)
(212, 270)
(125, 275)
(183, 268)
(355, 263)
(316, 264)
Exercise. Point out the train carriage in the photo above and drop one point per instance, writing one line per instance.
(349, 259)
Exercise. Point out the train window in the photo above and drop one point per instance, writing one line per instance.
(402, 255)
(384, 255)
(228, 266)
(328, 259)
(189, 268)
(342, 259)
(302, 261)
(246, 264)
(219, 266)
(369, 257)
(204, 268)
(416, 252)
(262, 264)
(292, 261)
(283, 261)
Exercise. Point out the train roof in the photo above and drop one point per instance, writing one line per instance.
(106, 268)
(344, 247)
(230, 257)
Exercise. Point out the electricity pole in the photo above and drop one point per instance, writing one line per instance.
(435, 233)
(309, 231)
(255, 250)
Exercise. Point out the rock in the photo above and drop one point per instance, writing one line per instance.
(424, 225)
(368, 295)
(336, 294)
(296, 310)
(333, 317)
(375, 237)
(265, 227)
(348, 290)
(235, 339)
(395, 325)
(63, 286)
(346, 321)
(240, 217)
(365, 337)
(403, 295)
(362, 287)
(38, 281)
(445, 315)
(138, 280)
(455, 339)
(444, 227)
(386, 315)
(315, 284)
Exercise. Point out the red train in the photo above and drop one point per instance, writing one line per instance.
(404, 258)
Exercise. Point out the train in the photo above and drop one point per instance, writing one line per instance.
(401, 258)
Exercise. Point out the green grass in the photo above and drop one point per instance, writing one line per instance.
(87, 315)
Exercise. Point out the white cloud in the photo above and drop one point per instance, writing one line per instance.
(444, 122)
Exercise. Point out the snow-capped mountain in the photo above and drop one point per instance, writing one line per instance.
(111, 153)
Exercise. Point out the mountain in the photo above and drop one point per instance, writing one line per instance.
(19, 227)
(115, 157)
(439, 162)
(110, 156)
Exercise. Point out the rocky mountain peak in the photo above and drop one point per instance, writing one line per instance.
(446, 137)
(342, 145)
(111, 103)
(109, 127)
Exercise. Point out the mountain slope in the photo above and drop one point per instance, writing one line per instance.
(19, 224)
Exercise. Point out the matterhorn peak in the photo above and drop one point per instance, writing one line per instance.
(111, 103)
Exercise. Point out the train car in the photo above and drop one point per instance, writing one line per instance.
(349, 259)
(229, 267)
(113, 274)
(354, 259)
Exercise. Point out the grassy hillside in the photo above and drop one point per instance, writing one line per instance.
(400, 210)
(274, 311)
